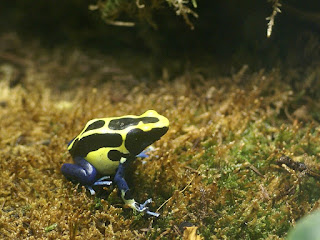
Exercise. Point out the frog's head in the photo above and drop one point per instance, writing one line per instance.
(151, 127)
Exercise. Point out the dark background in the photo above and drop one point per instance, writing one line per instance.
(227, 34)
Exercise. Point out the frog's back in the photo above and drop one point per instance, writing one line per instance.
(128, 134)
(95, 135)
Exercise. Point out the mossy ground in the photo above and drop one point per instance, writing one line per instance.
(216, 168)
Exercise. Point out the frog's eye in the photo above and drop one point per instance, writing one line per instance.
(144, 127)
(151, 113)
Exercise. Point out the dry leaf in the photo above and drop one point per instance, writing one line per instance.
(190, 233)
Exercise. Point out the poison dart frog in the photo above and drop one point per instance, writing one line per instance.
(107, 146)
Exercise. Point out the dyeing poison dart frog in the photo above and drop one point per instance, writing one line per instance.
(107, 146)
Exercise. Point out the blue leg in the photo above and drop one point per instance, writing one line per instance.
(84, 173)
(120, 181)
(80, 172)
(126, 195)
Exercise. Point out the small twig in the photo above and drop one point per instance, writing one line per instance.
(291, 167)
(291, 164)
(163, 234)
(181, 191)
(120, 23)
(139, 5)
(276, 9)
(253, 168)
(192, 170)
(287, 162)
(177, 230)
(3, 204)
(136, 233)
(265, 193)
(14, 59)
(288, 114)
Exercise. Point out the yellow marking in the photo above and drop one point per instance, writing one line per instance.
(163, 122)
(122, 160)
(99, 158)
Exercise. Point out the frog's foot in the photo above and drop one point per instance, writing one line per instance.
(99, 182)
(144, 154)
(143, 207)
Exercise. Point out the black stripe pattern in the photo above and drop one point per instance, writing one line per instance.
(95, 125)
(137, 140)
(94, 142)
(115, 155)
(122, 123)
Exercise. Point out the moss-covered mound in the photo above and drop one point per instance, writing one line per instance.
(218, 168)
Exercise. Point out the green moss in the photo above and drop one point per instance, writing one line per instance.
(96, 204)
(51, 227)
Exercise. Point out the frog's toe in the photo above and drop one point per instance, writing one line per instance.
(101, 181)
(154, 214)
(143, 208)
(143, 205)
(92, 192)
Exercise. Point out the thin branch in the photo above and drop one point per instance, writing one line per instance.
(120, 23)
(276, 9)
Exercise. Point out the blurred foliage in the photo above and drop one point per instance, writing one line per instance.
(226, 32)
(142, 10)
(307, 228)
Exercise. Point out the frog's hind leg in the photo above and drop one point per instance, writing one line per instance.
(80, 172)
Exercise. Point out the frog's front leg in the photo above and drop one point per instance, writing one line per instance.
(125, 192)
(84, 173)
